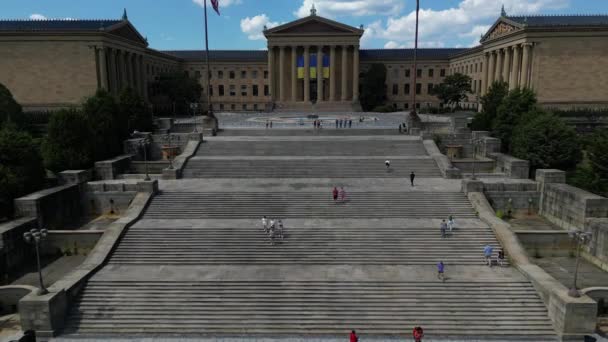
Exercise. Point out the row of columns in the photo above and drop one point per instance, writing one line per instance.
(283, 74)
(120, 69)
(510, 64)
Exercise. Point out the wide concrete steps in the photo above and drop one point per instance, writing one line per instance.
(209, 167)
(319, 246)
(328, 131)
(473, 309)
(313, 148)
(201, 205)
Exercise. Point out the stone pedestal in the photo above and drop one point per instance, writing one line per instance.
(453, 151)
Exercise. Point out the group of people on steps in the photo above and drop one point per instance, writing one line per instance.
(417, 334)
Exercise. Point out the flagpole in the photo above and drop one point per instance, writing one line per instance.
(413, 114)
(208, 76)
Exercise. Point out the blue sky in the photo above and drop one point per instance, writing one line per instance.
(178, 24)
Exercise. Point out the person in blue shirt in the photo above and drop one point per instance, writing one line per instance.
(487, 253)
(440, 269)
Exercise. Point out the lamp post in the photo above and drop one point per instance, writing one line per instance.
(144, 143)
(580, 238)
(35, 237)
(194, 107)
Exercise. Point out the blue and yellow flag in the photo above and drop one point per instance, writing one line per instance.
(313, 66)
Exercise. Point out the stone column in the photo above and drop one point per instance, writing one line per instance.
(332, 73)
(344, 95)
(271, 72)
(115, 70)
(282, 80)
(125, 70)
(306, 73)
(103, 69)
(525, 66)
(484, 73)
(514, 80)
(498, 71)
(320, 73)
(491, 67)
(507, 65)
(355, 73)
(294, 73)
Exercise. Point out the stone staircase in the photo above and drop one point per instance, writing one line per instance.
(471, 309)
(308, 131)
(227, 205)
(242, 242)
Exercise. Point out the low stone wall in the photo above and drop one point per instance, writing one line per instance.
(515, 195)
(180, 161)
(155, 167)
(443, 162)
(597, 249)
(70, 242)
(109, 169)
(53, 207)
(512, 167)
(571, 317)
(13, 249)
(546, 243)
(10, 296)
(114, 197)
(480, 166)
(46, 314)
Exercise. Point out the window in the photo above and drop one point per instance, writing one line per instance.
(243, 74)
(418, 88)
(406, 89)
(232, 90)
(255, 106)
(232, 75)
(244, 107)
(395, 89)
(232, 107)
(417, 105)
(266, 90)
(395, 73)
(243, 90)
(474, 83)
(429, 88)
(475, 67)
(254, 74)
(407, 72)
(254, 90)
(442, 72)
(220, 74)
(220, 90)
(265, 74)
(419, 73)
(479, 88)
(197, 74)
(406, 106)
(210, 90)
(431, 72)
(221, 106)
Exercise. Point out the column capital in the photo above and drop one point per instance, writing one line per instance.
(306, 47)
(527, 44)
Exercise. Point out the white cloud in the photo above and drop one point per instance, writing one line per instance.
(440, 27)
(37, 16)
(223, 3)
(357, 8)
(254, 26)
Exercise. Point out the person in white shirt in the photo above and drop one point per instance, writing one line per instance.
(388, 164)
(451, 223)
(265, 223)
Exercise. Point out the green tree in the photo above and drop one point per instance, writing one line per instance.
(373, 87)
(107, 127)
(21, 168)
(597, 152)
(489, 104)
(547, 142)
(178, 88)
(10, 110)
(454, 89)
(68, 144)
(134, 112)
(509, 112)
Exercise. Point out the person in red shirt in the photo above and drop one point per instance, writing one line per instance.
(418, 334)
(353, 337)
(335, 194)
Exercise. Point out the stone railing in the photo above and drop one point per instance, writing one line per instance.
(10, 296)
(53, 207)
(443, 162)
(571, 317)
(109, 169)
(46, 314)
(512, 167)
(180, 161)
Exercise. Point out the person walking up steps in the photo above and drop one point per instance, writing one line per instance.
(440, 271)
(353, 336)
(265, 223)
(336, 123)
(451, 223)
(335, 194)
(443, 227)
(350, 123)
(388, 164)
(342, 195)
(412, 177)
(487, 253)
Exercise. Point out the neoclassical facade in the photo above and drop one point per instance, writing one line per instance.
(311, 64)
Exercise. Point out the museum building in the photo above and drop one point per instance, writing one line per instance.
(313, 63)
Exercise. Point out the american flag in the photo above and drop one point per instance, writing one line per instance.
(216, 6)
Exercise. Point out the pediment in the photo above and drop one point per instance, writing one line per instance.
(127, 31)
(313, 25)
(501, 27)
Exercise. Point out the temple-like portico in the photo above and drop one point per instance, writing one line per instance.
(314, 60)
